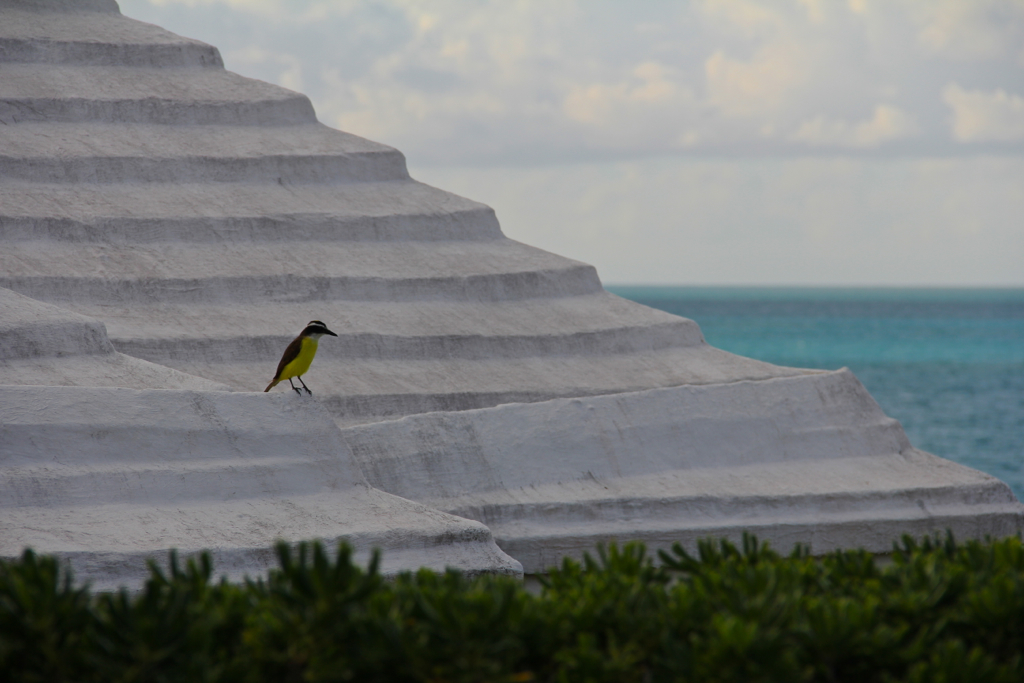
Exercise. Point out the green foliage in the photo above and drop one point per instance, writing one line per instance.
(45, 623)
(314, 619)
(937, 612)
(181, 627)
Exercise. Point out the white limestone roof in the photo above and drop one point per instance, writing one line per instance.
(203, 218)
(42, 344)
(108, 478)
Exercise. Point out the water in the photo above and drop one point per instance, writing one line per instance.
(947, 363)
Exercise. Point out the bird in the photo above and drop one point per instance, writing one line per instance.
(298, 356)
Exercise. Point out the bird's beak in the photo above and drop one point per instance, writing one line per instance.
(330, 333)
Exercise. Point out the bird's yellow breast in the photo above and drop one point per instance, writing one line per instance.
(300, 364)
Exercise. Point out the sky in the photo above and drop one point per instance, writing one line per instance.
(698, 142)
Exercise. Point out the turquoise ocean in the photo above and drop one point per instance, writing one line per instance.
(947, 363)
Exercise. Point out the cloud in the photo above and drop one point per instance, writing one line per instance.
(457, 82)
(844, 221)
(711, 141)
(278, 10)
(288, 67)
(758, 87)
(985, 116)
(887, 123)
(969, 31)
(651, 85)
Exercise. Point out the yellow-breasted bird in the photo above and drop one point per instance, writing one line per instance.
(299, 354)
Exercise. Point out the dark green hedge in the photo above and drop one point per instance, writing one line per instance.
(937, 612)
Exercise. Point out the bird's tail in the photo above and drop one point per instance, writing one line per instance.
(271, 385)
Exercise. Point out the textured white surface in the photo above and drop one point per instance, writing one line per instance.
(204, 218)
(109, 477)
(47, 345)
(808, 459)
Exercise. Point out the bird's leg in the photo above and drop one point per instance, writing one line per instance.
(295, 388)
(304, 387)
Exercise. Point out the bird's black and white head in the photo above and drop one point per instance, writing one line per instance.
(316, 329)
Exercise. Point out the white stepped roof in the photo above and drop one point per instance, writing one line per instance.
(98, 153)
(229, 212)
(106, 478)
(806, 459)
(138, 176)
(41, 344)
(205, 218)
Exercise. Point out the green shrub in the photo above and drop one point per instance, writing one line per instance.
(937, 612)
(46, 625)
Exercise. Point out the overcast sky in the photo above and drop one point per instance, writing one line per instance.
(824, 142)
